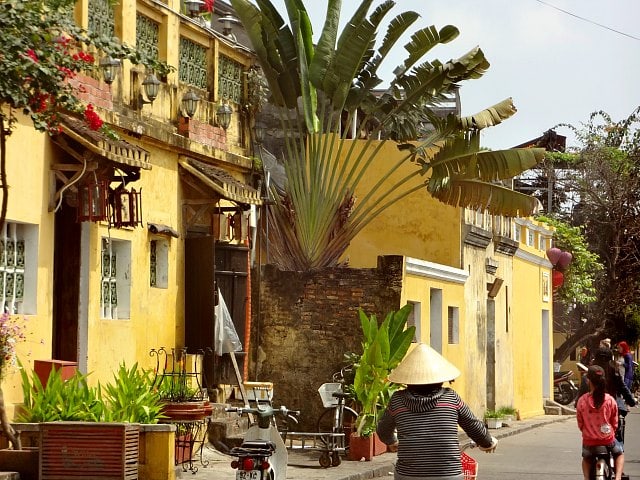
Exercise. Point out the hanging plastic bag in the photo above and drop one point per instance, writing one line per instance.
(226, 338)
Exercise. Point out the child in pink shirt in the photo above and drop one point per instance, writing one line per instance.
(597, 415)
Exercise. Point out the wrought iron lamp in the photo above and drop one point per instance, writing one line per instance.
(151, 85)
(259, 132)
(223, 116)
(228, 21)
(194, 7)
(189, 103)
(109, 67)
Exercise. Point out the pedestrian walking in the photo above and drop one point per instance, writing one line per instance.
(421, 421)
(627, 363)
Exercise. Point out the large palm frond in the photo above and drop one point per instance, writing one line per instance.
(317, 215)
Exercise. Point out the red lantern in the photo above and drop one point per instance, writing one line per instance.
(553, 254)
(564, 260)
(557, 279)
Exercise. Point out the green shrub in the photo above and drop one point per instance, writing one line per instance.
(59, 400)
(493, 414)
(504, 411)
(129, 398)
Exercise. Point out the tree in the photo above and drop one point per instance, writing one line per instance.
(315, 215)
(606, 180)
(41, 49)
(572, 300)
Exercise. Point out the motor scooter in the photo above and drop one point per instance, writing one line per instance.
(263, 453)
(564, 388)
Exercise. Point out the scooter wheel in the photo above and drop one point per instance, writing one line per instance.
(335, 459)
(325, 460)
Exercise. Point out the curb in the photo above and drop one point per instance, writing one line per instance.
(388, 467)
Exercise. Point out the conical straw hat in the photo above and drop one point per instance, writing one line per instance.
(422, 366)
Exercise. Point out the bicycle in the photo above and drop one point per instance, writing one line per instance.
(338, 418)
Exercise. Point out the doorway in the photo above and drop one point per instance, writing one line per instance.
(66, 284)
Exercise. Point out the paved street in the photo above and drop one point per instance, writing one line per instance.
(548, 445)
(551, 452)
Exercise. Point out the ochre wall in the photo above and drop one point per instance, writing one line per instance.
(418, 226)
(527, 306)
(27, 179)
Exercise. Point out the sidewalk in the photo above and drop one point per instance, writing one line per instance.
(304, 465)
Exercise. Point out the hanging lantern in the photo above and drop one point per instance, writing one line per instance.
(127, 208)
(553, 254)
(92, 202)
(564, 260)
(557, 279)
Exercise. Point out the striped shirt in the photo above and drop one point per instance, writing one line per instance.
(427, 432)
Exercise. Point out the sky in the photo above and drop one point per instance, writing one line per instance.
(557, 67)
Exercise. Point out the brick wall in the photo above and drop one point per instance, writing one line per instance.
(304, 322)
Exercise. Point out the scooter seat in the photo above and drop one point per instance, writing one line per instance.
(600, 450)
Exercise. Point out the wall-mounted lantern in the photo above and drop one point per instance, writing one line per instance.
(92, 201)
(194, 7)
(151, 86)
(127, 208)
(109, 67)
(189, 103)
(223, 115)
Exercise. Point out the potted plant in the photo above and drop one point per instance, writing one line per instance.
(383, 347)
(508, 414)
(493, 419)
(89, 428)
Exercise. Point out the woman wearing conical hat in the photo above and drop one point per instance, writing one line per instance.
(422, 420)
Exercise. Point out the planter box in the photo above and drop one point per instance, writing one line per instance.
(88, 451)
(493, 422)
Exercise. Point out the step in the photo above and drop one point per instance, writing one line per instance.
(552, 410)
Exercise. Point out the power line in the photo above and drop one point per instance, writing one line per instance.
(589, 21)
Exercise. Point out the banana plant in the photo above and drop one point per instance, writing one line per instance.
(320, 88)
(383, 348)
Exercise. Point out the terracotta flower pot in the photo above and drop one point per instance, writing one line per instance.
(187, 411)
(365, 447)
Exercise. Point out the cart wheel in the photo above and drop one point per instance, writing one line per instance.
(335, 459)
(325, 460)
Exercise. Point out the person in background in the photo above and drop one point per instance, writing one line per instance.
(627, 363)
(614, 386)
(597, 416)
(584, 355)
(605, 343)
(421, 421)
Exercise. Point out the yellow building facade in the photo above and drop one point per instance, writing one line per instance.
(480, 287)
(103, 226)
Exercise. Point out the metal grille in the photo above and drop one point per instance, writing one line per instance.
(154, 264)
(229, 79)
(109, 285)
(101, 18)
(193, 63)
(147, 32)
(12, 260)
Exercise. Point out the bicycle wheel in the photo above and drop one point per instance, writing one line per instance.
(327, 421)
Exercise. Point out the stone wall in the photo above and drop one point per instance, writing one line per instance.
(304, 323)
